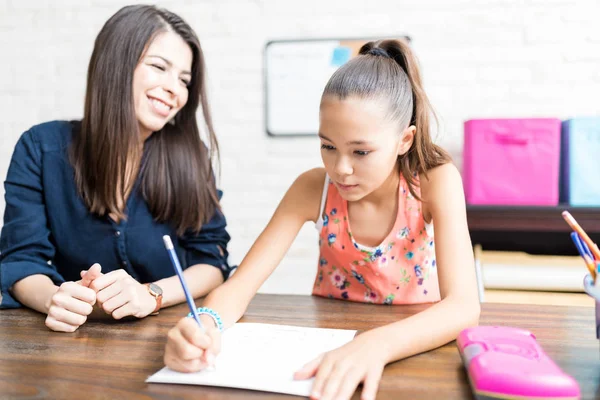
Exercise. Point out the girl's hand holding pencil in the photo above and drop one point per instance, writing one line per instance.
(190, 348)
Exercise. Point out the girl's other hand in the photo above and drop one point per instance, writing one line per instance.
(339, 372)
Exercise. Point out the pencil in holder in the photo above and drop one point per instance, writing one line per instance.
(594, 291)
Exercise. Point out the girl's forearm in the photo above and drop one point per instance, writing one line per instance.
(230, 301)
(427, 330)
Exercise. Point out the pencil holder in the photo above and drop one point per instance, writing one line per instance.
(597, 319)
(594, 291)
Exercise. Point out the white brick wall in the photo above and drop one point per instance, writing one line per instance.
(480, 59)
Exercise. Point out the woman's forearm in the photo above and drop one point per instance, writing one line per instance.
(200, 278)
(427, 330)
(35, 292)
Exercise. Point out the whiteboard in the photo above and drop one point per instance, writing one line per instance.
(296, 72)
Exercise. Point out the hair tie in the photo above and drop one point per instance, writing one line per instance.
(379, 52)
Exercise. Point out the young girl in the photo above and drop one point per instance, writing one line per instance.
(384, 186)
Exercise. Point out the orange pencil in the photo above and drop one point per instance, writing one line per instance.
(584, 236)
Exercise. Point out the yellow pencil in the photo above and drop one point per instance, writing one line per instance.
(590, 266)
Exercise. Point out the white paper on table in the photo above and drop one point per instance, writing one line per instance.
(262, 357)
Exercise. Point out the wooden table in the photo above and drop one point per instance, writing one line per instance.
(111, 360)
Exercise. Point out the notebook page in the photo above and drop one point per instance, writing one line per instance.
(263, 357)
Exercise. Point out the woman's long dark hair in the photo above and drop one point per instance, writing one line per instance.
(176, 174)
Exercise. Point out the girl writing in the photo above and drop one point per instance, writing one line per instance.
(383, 187)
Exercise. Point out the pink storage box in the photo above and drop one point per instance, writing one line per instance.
(512, 161)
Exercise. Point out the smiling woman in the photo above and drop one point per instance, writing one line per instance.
(87, 202)
(160, 82)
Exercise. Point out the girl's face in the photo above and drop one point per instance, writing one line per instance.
(160, 82)
(360, 145)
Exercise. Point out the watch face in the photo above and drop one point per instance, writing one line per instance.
(155, 289)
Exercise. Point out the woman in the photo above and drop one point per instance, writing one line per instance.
(87, 203)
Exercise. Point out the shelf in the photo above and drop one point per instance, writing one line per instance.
(529, 218)
(535, 230)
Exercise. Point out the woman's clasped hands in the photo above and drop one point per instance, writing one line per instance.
(115, 293)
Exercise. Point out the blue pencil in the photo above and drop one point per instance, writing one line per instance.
(178, 270)
(589, 262)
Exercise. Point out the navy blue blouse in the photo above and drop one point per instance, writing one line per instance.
(49, 230)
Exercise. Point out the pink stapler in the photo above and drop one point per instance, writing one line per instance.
(508, 363)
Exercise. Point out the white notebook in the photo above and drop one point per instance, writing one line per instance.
(262, 357)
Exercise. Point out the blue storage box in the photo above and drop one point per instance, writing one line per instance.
(580, 161)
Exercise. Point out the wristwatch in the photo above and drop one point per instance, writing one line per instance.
(157, 293)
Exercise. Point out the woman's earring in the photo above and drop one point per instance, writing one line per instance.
(172, 121)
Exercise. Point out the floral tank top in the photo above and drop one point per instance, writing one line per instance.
(401, 270)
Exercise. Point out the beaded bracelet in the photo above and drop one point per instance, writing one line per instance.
(213, 314)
